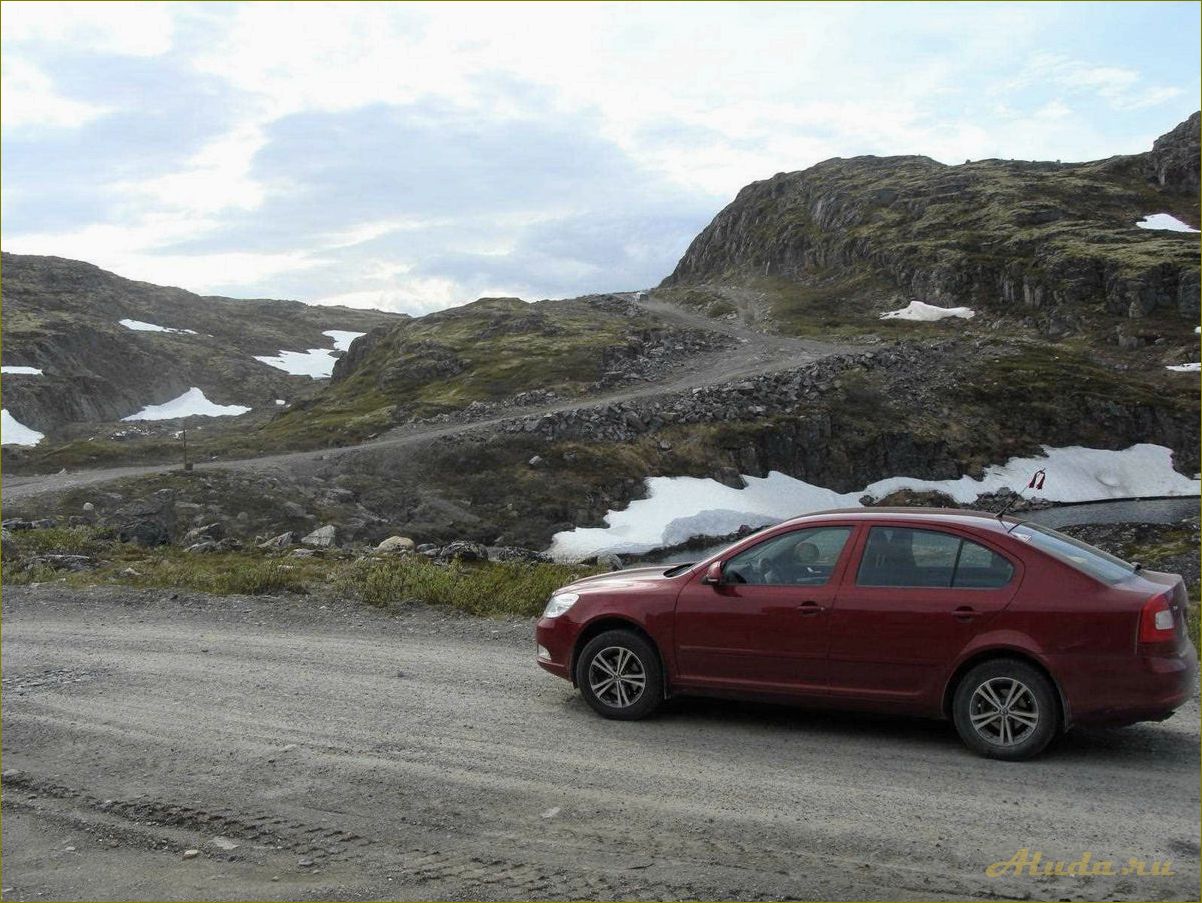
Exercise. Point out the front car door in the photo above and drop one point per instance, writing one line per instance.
(909, 604)
(764, 628)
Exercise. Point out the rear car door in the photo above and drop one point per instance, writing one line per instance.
(765, 627)
(913, 599)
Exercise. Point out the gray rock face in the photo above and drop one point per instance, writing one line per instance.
(396, 544)
(1174, 157)
(321, 538)
(992, 233)
(515, 553)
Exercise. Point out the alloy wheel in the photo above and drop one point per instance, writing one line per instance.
(1003, 711)
(617, 677)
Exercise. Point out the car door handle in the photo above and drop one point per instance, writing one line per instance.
(809, 607)
(965, 613)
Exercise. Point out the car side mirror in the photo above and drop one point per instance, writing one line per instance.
(713, 575)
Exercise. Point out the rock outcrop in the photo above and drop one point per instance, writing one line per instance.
(1057, 242)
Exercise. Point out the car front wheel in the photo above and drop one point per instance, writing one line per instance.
(619, 675)
(1006, 709)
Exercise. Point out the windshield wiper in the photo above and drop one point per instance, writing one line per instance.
(679, 569)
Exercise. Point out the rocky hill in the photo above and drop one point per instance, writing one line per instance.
(1054, 246)
(108, 347)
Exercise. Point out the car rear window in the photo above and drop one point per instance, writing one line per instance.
(905, 556)
(1075, 553)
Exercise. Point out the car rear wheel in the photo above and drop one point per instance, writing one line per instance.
(1006, 709)
(619, 675)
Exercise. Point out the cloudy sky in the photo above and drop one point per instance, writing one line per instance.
(412, 157)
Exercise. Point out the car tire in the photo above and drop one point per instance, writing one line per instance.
(1006, 709)
(619, 675)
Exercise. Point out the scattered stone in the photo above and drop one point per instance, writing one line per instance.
(214, 532)
(516, 553)
(306, 863)
(321, 538)
(191, 854)
(283, 541)
(550, 813)
(611, 561)
(128, 573)
(427, 547)
(463, 550)
(536, 461)
(224, 843)
(398, 544)
(292, 509)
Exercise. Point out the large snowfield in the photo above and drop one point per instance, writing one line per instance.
(191, 404)
(317, 363)
(13, 432)
(679, 508)
(928, 313)
(1164, 222)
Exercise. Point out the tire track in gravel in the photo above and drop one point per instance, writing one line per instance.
(435, 761)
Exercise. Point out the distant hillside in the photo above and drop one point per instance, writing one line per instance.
(64, 318)
(1052, 244)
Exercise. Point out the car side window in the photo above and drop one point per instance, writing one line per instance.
(904, 556)
(981, 568)
(800, 558)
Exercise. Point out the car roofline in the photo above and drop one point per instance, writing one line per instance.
(980, 518)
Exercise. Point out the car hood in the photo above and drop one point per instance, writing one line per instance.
(616, 579)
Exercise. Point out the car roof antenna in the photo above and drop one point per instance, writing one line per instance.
(1036, 482)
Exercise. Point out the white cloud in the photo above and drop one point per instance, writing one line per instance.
(217, 178)
(28, 98)
(122, 28)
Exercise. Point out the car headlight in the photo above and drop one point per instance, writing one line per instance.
(559, 603)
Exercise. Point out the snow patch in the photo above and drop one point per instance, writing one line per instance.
(280, 402)
(679, 508)
(13, 432)
(143, 326)
(1163, 221)
(342, 338)
(928, 313)
(1185, 368)
(191, 404)
(317, 363)
(27, 371)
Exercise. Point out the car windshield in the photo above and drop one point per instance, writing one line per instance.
(1084, 557)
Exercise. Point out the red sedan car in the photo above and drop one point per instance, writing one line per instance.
(1013, 631)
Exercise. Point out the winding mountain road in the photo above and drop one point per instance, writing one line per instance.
(750, 353)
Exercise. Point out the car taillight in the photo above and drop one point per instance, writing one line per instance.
(1156, 622)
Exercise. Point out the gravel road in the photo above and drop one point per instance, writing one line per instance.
(314, 749)
(750, 353)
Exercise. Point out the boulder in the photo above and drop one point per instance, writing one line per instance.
(397, 544)
(292, 509)
(283, 541)
(213, 532)
(147, 522)
(321, 538)
(516, 553)
(611, 561)
(463, 550)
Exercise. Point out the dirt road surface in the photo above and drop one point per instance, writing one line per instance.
(312, 749)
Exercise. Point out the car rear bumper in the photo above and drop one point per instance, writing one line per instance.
(1139, 688)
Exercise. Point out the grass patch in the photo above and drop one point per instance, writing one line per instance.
(488, 590)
